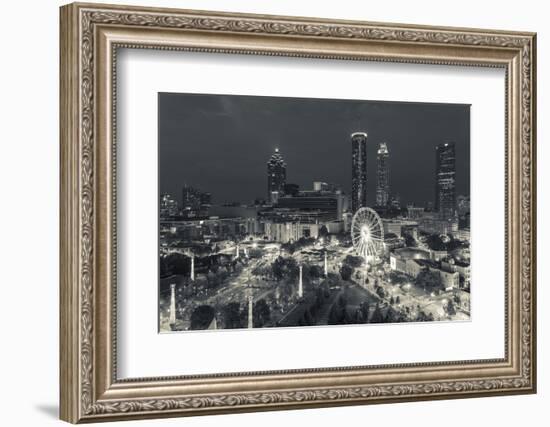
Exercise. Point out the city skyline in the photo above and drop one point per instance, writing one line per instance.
(328, 243)
(412, 170)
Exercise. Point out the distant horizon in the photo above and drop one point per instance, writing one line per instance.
(220, 144)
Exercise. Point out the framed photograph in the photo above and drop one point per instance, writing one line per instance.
(265, 212)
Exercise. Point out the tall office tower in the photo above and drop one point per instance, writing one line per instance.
(382, 175)
(358, 170)
(445, 171)
(276, 176)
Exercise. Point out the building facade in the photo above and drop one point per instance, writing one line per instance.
(168, 206)
(358, 170)
(290, 231)
(396, 225)
(382, 175)
(414, 212)
(276, 176)
(434, 223)
(445, 180)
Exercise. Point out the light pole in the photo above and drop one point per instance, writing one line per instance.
(172, 303)
(250, 312)
(192, 275)
(300, 286)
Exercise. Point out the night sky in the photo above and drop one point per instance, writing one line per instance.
(221, 143)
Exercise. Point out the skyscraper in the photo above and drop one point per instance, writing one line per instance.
(382, 175)
(445, 171)
(276, 176)
(358, 170)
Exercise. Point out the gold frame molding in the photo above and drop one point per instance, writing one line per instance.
(90, 37)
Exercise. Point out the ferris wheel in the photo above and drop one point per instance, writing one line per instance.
(367, 234)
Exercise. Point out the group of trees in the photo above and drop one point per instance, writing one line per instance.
(398, 278)
(342, 314)
(311, 309)
(396, 300)
(299, 244)
(285, 268)
(410, 241)
(202, 317)
(346, 272)
(428, 280)
(349, 265)
(235, 315)
(288, 269)
(447, 243)
(380, 291)
(450, 308)
(180, 264)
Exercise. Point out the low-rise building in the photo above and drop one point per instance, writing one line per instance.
(396, 225)
(449, 279)
(399, 257)
(433, 223)
(461, 267)
(290, 231)
(392, 242)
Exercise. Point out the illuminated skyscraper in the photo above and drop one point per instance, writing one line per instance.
(445, 171)
(358, 170)
(382, 175)
(276, 176)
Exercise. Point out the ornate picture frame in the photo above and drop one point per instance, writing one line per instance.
(90, 37)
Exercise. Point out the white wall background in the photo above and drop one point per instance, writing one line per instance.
(29, 171)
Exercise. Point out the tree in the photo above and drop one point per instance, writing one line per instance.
(334, 316)
(410, 241)
(346, 271)
(213, 280)
(231, 314)
(315, 271)
(261, 313)
(177, 264)
(342, 301)
(398, 300)
(435, 242)
(164, 268)
(423, 317)
(380, 292)
(390, 316)
(397, 278)
(285, 268)
(202, 316)
(392, 300)
(365, 309)
(457, 299)
(450, 308)
(308, 317)
(428, 280)
(353, 261)
(377, 316)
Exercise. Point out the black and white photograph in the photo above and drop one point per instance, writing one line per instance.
(281, 212)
